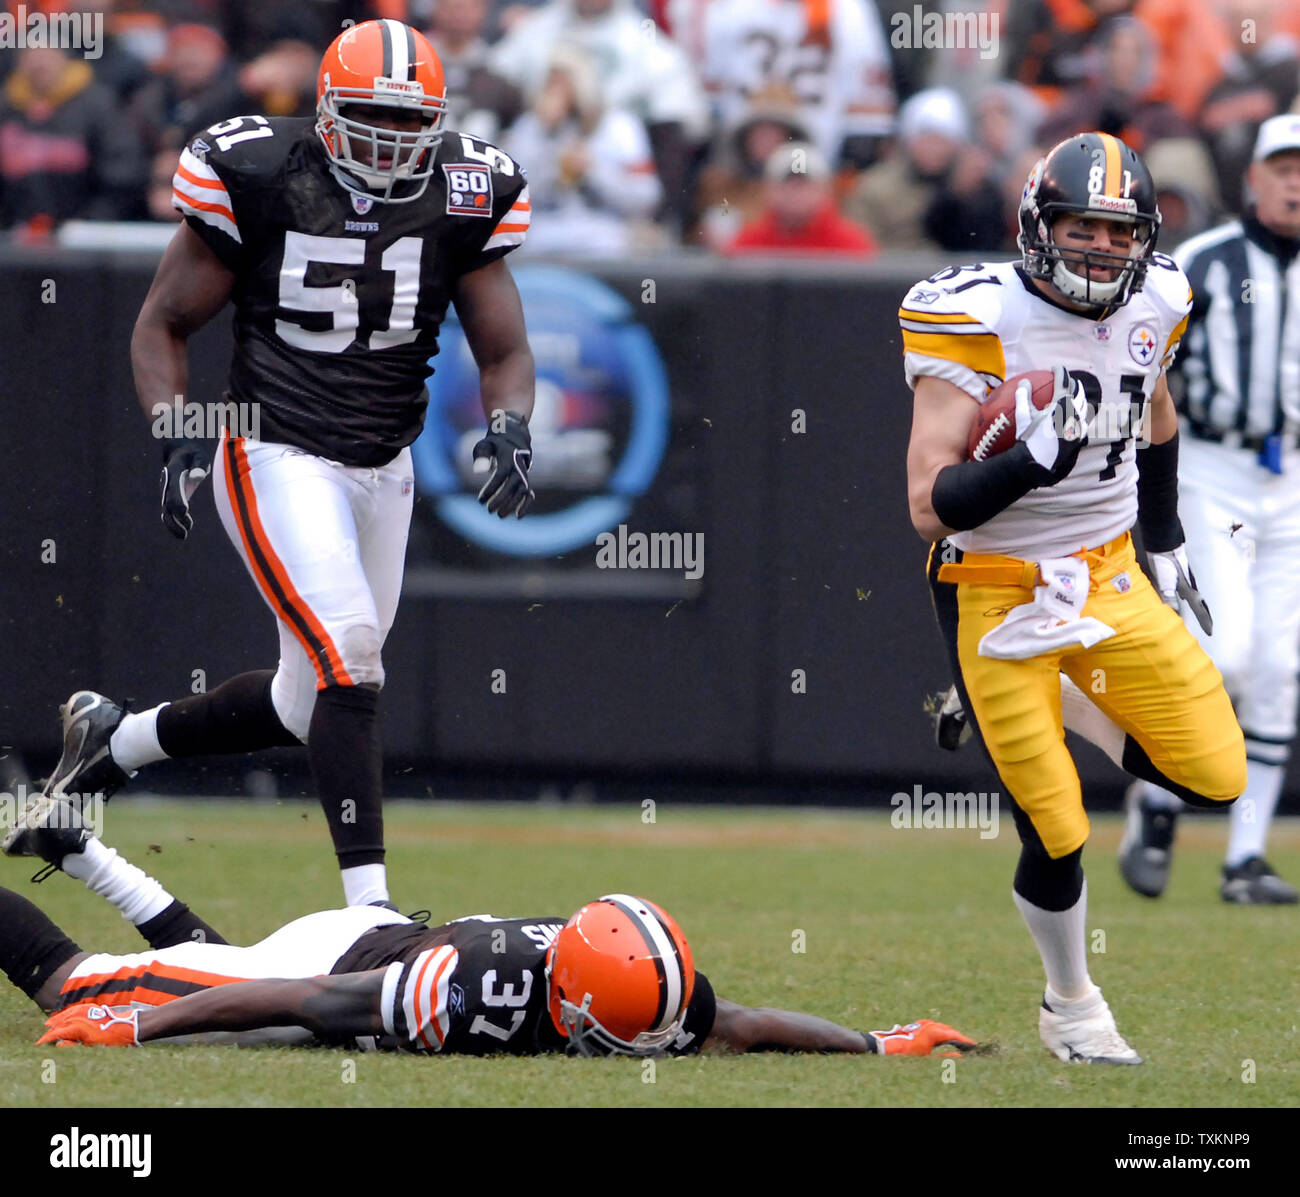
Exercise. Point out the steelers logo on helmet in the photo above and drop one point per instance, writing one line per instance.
(1098, 177)
(620, 978)
(374, 66)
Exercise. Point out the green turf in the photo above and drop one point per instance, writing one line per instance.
(897, 925)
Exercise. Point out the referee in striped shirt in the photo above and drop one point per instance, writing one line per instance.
(1237, 378)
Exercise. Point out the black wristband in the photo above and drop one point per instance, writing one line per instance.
(1162, 530)
(973, 492)
(870, 1040)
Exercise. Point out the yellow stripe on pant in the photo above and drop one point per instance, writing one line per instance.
(1151, 678)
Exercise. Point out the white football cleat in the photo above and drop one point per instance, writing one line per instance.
(1083, 1031)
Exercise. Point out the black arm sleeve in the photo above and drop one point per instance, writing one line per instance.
(1162, 530)
(973, 492)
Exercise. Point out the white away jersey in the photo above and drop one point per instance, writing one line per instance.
(977, 326)
(831, 54)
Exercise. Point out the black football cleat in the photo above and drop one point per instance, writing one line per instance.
(50, 828)
(1147, 849)
(1253, 883)
(951, 727)
(87, 765)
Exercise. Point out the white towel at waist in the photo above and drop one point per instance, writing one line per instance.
(1054, 620)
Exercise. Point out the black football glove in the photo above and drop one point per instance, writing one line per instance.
(185, 465)
(507, 451)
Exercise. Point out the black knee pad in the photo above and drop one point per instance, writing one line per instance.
(1047, 883)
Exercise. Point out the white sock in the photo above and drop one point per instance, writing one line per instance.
(137, 895)
(1080, 714)
(1158, 798)
(1059, 936)
(363, 884)
(135, 740)
(1252, 813)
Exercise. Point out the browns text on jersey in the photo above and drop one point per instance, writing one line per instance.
(338, 300)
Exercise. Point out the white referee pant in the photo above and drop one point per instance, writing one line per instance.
(325, 544)
(1242, 524)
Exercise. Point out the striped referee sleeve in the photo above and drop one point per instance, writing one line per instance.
(513, 226)
(414, 999)
(198, 192)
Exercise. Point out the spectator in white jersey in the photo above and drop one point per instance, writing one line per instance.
(591, 172)
(1238, 386)
(638, 68)
(832, 55)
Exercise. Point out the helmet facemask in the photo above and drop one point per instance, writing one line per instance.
(355, 147)
(1069, 268)
(587, 1037)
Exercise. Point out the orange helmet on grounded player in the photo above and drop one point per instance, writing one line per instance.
(620, 976)
(381, 64)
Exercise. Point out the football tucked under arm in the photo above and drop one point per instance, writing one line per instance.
(1028, 433)
(331, 1007)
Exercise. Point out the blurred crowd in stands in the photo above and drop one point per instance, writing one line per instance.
(736, 126)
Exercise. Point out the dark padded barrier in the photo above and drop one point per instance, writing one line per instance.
(810, 560)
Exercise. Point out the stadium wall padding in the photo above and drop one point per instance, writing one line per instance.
(811, 562)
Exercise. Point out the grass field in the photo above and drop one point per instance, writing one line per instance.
(897, 925)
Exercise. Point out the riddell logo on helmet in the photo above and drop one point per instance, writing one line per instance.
(1113, 203)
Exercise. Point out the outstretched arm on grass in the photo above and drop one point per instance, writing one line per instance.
(750, 1029)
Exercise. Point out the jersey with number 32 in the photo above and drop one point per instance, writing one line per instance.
(338, 299)
(976, 326)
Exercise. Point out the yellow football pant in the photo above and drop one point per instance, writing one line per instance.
(1151, 678)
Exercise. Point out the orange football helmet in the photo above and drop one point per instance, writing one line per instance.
(620, 977)
(386, 64)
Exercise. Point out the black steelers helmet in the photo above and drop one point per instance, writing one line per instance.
(1091, 174)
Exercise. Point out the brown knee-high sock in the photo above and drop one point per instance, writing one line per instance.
(347, 763)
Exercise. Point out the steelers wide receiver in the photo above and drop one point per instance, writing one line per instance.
(1032, 566)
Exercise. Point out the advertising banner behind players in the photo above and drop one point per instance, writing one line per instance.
(601, 428)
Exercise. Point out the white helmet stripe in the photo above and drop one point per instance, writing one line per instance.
(397, 34)
(659, 941)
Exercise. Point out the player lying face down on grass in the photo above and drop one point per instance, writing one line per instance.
(617, 978)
